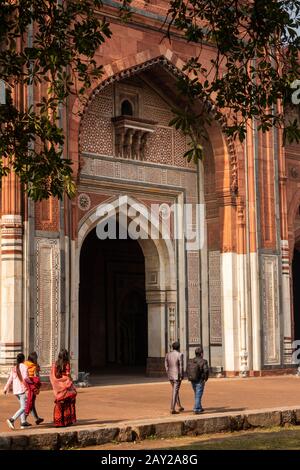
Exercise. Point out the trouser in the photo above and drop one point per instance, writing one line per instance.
(198, 388)
(30, 403)
(21, 411)
(175, 400)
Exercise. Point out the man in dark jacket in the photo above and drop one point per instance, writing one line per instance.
(198, 372)
(174, 369)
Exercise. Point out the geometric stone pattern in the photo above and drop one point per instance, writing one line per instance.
(165, 145)
(47, 301)
(97, 130)
(180, 147)
(193, 273)
(271, 326)
(124, 170)
(214, 297)
(158, 148)
(267, 187)
(47, 215)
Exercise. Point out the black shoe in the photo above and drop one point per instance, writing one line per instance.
(39, 421)
(181, 408)
(198, 412)
(25, 425)
(10, 423)
(174, 412)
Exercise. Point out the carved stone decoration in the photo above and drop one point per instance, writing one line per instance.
(172, 323)
(152, 278)
(271, 310)
(84, 202)
(193, 297)
(47, 301)
(174, 70)
(215, 297)
(131, 135)
(194, 326)
(234, 167)
(294, 172)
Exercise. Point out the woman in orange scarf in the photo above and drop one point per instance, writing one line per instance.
(64, 391)
(33, 388)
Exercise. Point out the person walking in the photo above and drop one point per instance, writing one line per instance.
(175, 372)
(33, 389)
(18, 378)
(197, 374)
(64, 391)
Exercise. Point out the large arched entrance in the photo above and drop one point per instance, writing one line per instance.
(134, 152)
(127, 298)
(112, 305)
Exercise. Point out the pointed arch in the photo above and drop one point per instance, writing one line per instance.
(159, 253)
(292, 210)
(223, 148)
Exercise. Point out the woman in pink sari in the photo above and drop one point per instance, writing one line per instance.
(64, 391)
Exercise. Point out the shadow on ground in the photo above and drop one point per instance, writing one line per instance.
(223, 409)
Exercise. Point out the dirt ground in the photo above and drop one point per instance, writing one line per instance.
(101, 405)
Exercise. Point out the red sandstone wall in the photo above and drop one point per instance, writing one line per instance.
(292, 153)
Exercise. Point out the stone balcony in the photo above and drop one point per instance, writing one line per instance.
(131, 135)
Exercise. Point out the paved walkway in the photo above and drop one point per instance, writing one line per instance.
(109, 404)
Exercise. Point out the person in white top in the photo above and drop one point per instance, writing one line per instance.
(18, 378)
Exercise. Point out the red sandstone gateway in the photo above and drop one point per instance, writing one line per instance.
(121, 303)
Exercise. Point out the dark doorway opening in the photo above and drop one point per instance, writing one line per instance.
(112, 305)
(296, 293)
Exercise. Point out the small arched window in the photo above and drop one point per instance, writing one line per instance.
(126, 108)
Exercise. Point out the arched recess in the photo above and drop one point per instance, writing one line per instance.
(296, 286)
(294, 251)
(292, 213)
(223, 147)
(160, 272)
(221, 150)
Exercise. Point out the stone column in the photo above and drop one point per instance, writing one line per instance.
(11, 334)
(285, 255)
(242, 289)
(229, 286)
(269, 248)
(156, 302)
(252, 241)
(286, 303)
(172, 325)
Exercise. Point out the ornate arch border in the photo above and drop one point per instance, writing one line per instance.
(161, 281)
(292, 209)
(163, 245)
(223, 146)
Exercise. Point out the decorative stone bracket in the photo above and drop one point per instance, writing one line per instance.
(172, 324)
(131, 135)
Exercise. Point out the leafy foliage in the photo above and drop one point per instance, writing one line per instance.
(48, 44)
(256, 60)
(51, 44)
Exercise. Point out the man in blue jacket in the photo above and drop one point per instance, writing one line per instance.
(198, 373)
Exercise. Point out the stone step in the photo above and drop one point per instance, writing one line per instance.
(83, 436)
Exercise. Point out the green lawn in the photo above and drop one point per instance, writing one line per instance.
(265, 439)
(276, 438)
